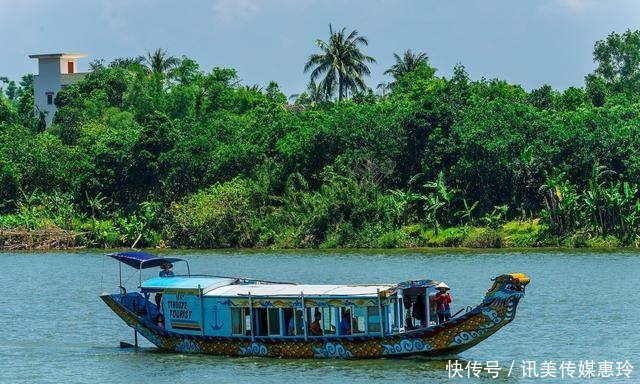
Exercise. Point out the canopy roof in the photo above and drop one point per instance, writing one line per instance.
(142, 260)
(183, 282)
(295, 290)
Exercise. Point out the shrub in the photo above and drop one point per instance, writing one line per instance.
(224, 215)
(483, 238)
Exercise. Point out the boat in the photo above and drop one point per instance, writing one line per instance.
(237, 316)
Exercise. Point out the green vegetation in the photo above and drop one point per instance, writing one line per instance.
(155, 151)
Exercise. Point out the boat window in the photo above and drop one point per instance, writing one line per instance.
(260, 321)
(392, 315)
(373, 319)
(294, 322)
(328, 321)
(240, 321)
(273, 319)
(358, 322)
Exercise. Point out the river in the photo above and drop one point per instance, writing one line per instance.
(581, 307)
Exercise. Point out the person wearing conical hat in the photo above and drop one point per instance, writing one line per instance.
(442, 300)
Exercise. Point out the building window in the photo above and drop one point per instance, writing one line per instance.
(49, 98)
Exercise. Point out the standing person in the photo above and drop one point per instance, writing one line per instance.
(345, 323)
(166, 270)
(442, 300)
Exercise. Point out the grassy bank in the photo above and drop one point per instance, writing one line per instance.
(514, 234)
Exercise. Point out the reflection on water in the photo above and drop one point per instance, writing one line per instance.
(579, 306)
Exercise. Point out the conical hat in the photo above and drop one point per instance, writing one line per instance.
(442, 285)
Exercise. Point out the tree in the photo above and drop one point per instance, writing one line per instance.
(407, 63)
(312, 96)
(543, 97)
(127, 62)
(159, 62)
(618, 59)
(342, 62)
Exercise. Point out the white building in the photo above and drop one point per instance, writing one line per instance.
(55, 72)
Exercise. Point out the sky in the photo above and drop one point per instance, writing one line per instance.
(525, 42)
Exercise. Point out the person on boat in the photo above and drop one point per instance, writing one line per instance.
(160, 320)
(166, 270)
(442, 300)
(408, 303)
(419, 310)
(315, 328)
(158, 299)
(296, 327)
(345, 323)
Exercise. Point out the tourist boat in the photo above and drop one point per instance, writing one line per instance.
(247, 317)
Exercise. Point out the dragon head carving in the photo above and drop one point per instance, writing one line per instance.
(505, 287)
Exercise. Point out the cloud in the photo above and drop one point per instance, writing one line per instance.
(228, 13)
(575, 6)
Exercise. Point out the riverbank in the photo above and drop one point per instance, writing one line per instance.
(514, 234)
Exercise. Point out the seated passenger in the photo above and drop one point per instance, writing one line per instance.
(296, 327)
(160, 320)
(166, 270)
(315, 328)
(345, 323)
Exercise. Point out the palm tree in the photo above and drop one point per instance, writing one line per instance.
(159, 62)
(342, 62)
(313, 95)
(407, 63)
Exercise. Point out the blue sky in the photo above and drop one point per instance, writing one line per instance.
(526, 42)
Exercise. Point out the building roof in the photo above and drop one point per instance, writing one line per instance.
(59, 56)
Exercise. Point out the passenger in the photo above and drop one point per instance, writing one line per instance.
(408, 303)
(418, 309)
(166, 270)
(160, 320)
(345, 323)
(296, 327)
(442, 300)
(315, 328)
(158, 299)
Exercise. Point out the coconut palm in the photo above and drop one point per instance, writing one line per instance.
(341, 62)
(312, 96)
(407, 63)
(159, 62)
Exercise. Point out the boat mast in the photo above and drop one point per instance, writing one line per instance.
(304, 310)
(380, 312)
(251, 318)
(201, 308)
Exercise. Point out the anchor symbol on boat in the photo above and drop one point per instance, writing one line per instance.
(216, 326)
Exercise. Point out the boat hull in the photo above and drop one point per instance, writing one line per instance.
(450, 338)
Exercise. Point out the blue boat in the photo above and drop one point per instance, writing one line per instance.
(236, 316)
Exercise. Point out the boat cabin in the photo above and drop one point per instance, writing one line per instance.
(219, 306)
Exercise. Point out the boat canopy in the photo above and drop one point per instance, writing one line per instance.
(142, 260)
(186, 283)
(290, 290)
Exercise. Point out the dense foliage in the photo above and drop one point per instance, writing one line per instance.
(170, 154)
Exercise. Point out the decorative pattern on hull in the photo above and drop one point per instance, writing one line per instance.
(331, 350)
(254, 349)
(406, 346)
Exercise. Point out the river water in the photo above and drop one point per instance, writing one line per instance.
(580, 308)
